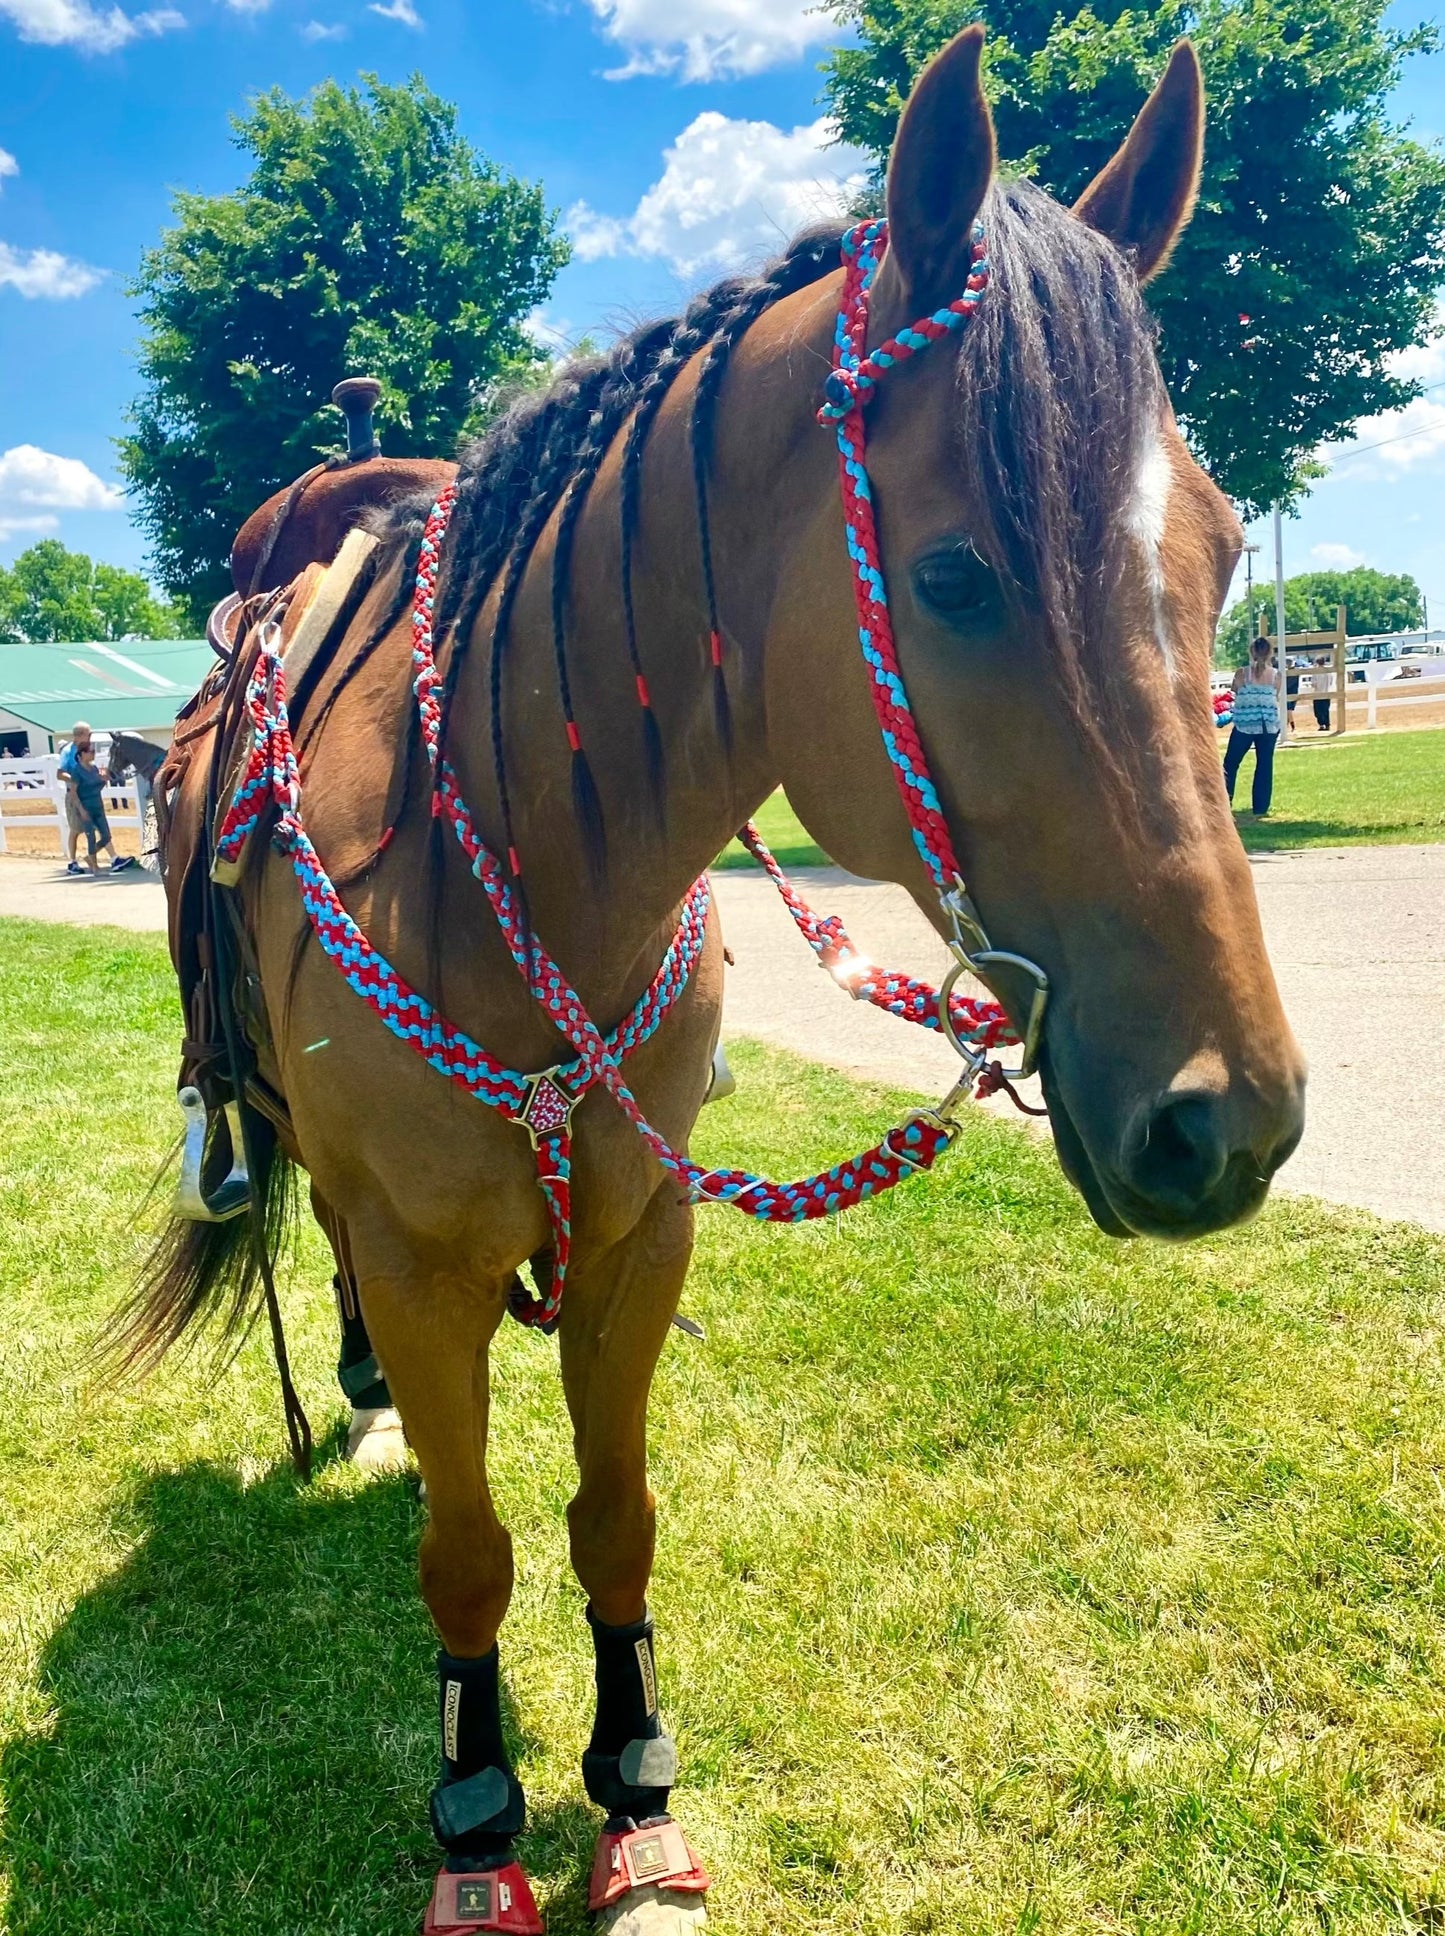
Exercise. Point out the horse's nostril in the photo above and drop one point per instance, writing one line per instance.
(1183, 1153)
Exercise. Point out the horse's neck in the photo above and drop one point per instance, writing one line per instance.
(770, 459)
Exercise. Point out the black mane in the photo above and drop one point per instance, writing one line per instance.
(1059, 392)
(1058, 389)
(547, 448)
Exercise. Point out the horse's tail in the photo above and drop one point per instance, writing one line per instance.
(200, 1273)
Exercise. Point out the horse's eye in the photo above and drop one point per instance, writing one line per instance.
(957, 586)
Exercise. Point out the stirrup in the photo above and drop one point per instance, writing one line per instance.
(231, 1197)
(498, 1900)
(629, 1858)
(722, 1083)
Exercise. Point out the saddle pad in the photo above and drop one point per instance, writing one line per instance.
(321, 600)
(355, 739)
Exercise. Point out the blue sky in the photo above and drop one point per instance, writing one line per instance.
(677, 137)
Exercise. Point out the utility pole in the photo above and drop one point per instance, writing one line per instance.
(1279, 621)
(1250, 552)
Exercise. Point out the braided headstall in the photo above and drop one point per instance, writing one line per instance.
(850, 387)
(543, 1102)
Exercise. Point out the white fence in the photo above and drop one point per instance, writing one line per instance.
(33, 795)
(1412, 682)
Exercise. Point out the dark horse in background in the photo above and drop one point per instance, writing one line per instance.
(132, 754)
(1056, 563)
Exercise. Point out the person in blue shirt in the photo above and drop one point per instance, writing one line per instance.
(1256, 726)
(89, 784)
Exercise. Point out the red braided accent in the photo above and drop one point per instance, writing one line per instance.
(984, 1023)
(850, 386)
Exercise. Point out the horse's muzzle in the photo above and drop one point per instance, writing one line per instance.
(1188, 1166)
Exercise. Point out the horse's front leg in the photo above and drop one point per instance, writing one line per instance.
(432, 1340)
(645, 1880)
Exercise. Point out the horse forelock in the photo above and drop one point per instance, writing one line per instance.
(1060, 437)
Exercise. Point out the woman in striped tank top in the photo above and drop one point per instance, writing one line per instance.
(1256, 724)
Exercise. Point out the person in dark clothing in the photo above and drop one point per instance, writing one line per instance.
(1256, 727)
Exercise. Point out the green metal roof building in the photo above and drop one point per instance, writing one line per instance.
(134, 685)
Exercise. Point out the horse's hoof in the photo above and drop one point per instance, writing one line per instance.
(376, 1442)
(651, 1912)
(646, 1882)
(497, 1900)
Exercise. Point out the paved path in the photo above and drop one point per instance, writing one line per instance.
(1357, 935)
(41, 890)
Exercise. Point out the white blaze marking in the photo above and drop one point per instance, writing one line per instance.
(1146, 514)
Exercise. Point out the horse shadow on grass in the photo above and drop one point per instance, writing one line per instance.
(241, 1732)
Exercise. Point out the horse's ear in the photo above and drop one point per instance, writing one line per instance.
(942, 163)
(1144, 198)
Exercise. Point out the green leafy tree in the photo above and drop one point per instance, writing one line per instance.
(1374, 601)
(1319, 239)
(369, 239)
(50, 593)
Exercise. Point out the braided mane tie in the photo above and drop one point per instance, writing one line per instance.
(543, 1102)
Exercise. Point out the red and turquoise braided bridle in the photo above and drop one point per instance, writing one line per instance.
(849, 389)
(543, 1102)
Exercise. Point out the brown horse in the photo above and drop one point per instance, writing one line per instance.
(1056, 563)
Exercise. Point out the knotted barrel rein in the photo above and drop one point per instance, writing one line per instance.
(543, 1102)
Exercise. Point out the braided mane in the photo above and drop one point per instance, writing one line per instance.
(546, 450)
(1058, 393)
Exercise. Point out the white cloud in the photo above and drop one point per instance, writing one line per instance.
(318, 30)
(730, 191)
(8, 164)
(248, 6)
(41, 272)
(1337, 557)
(76, 23)
(1401, 440)
(702, 40)
(35, 527)
(401, 10)
(34, 480)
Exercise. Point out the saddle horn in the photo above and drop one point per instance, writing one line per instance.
(357, 397)
(232, 1196)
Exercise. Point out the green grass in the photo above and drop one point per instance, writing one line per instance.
(1340, 793)
(1351, 792)
(781, 828)
(1009, 1580)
